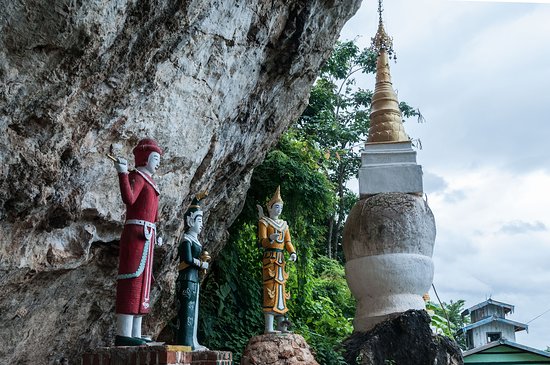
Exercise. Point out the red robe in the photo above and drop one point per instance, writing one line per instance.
(140, 194)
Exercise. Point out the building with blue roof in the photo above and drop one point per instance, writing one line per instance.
(491, 337)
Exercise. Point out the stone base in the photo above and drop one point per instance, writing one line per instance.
(155, 355)
(404, 340)
(278, 349)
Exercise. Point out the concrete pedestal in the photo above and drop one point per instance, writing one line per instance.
(389, 168)
(155, 355)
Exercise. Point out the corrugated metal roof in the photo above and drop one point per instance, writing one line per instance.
(507, 307)
(518, 326)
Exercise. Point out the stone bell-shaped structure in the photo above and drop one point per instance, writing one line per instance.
(390, 233)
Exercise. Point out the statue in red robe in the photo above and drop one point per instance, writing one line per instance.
(140, 194)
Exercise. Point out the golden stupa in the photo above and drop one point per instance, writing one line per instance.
(386, 120)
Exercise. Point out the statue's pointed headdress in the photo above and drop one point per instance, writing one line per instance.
(276, 198)
(195, 207)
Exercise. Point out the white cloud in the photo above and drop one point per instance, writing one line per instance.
(510, 1)
(513, 45)
(479, 249)
(433, 183)
(519, 227)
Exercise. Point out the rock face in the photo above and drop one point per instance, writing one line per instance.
(214, 82)
(388, 243)
(404, 340)
(278, 349)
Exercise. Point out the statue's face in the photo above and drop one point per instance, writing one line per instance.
(195, 224)
(276, 209)
(153, 162)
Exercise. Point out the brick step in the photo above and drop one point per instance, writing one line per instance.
(155, 355)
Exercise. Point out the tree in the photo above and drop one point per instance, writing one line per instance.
(336, 123)
(447, 320)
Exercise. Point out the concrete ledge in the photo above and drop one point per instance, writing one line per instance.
(389, 157)
(388, 153)
(391, 178)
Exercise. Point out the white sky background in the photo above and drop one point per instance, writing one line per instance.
(480, 74)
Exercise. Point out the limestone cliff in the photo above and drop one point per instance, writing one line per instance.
(215, 82)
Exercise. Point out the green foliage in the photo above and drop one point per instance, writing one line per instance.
(448, 320)
(321, 303)
(324, 318)
(307, 193)
(229, 302)
(321, 309)
(335, 122)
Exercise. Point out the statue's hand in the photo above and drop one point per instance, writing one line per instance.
(121, 166)
(160, 242)
(204, 265)
(273, 236)
(293, 257)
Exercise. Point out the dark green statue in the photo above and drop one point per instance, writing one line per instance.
(192, 260)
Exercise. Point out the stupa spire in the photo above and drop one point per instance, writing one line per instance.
(386, 121)
(381, 40)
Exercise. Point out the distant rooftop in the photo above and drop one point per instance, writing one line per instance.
(506, 343)
(508, 308)
(518, 326)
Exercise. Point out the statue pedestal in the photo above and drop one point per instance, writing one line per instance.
(155, 355)
(278, 349)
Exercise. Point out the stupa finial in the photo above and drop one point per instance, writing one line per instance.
(382, 41)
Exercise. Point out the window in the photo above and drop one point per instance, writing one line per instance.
(493, 336)
(469, 340)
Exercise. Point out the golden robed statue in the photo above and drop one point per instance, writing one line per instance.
(274, 238)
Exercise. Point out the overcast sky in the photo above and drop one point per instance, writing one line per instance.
(480, 74)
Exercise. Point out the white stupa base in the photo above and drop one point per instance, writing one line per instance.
(387, 284)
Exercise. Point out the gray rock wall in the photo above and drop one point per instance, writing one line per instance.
(215, 82)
